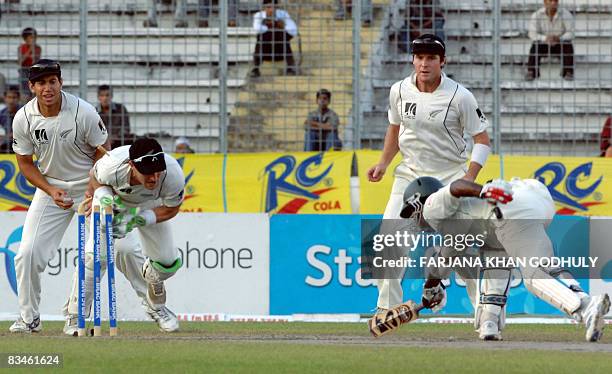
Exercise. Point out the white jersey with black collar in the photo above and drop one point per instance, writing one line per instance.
(432, 126)
(64, 145)
(114, 170)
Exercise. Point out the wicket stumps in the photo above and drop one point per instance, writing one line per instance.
(110, 265)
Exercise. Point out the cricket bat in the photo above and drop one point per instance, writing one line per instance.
(390, 320)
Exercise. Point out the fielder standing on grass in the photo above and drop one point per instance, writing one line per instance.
(62, 131)
(429, 114)
(147, 186)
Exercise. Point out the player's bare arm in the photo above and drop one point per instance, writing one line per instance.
(390, 149)
(495, 191)
(475, 166)
(165, 213)
(34, 176)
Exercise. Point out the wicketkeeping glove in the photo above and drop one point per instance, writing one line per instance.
(126, 220)
(497, 191)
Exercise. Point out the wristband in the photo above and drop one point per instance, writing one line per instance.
(480, 153)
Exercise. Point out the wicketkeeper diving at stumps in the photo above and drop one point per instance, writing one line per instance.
(516, 215)
(145, 186)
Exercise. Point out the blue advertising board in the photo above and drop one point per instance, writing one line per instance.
(315, 267)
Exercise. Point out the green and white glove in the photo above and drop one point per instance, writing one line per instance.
(130, 218)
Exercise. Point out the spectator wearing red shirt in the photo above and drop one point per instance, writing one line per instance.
(605, 148)
(28, 52)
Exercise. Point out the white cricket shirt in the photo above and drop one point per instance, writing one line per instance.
(114, 170)
(64, 145)
(433, 125)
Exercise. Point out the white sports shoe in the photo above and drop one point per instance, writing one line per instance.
(164, 317)
(71, 325)
(489, 331)
(593, 316)
(20, 326)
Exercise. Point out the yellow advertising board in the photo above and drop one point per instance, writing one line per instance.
(203, 182)
(203, 190)
(577, 185)
(301, 182)
(373, 196)
(308, 182)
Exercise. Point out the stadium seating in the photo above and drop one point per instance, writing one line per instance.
(168, 78)
(562, 116)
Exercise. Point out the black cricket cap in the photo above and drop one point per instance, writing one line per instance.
(428, 44)
(44, 67)
(147, 156)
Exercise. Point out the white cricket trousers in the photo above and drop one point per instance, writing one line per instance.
(43, 230)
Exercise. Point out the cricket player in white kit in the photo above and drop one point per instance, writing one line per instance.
(516, 214)
(62, 131)
(429, 114)
(143, 177)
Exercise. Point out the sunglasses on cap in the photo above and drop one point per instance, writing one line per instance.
(143, 158)
(427, 43)
(45, 66)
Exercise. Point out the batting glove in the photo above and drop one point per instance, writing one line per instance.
(434, 298)
(497, 191)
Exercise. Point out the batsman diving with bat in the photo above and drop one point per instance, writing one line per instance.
(145, 186)
(517, 214)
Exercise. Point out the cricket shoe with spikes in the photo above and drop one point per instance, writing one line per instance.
(164, 317)
(489, 330)
(20, 326)
(593, 316)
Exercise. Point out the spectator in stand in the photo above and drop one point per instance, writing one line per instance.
(11, 100)
(409, 19)
(275, 29)
(344, 10)
(115, 117)
(321, 126)
(27, 53)
(182, 145)
(605, 148)
(551, 30)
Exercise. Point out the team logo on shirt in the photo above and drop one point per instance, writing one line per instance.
(410, 110)
(481, 115)
(434, 114)
(41, 136)
(64, 135)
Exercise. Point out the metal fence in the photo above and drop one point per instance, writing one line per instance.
(184, 73)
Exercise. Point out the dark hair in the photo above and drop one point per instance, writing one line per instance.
(324, 91)
(269, 2)
(105, 87)
(11, 88)
(28, 31)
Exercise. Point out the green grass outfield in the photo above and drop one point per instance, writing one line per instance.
(319, 347)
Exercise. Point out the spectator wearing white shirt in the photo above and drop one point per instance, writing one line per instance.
(275, 29)
(552, 30)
